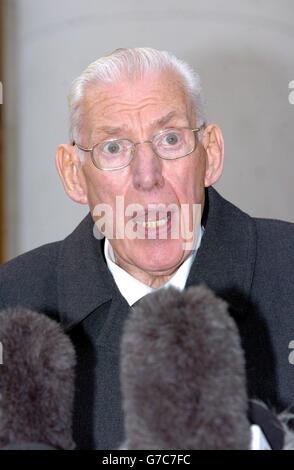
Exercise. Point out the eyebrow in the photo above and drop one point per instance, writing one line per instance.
(108, 130)
(156, 123)
(163, 120)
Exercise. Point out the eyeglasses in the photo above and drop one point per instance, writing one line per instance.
(169, 144)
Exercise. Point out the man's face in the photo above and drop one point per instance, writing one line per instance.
(138, 110)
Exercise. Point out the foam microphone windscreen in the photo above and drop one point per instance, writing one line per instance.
(36, 382)
(183, 374)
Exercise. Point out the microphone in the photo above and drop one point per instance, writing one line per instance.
(183, 374)
(36, 382)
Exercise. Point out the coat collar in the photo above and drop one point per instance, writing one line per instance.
(226, 258)
(83, 279)
(224, 261)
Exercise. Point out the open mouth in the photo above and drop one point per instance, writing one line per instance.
(154, 223)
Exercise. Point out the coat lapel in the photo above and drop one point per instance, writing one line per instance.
(226, 257)
(83, 279)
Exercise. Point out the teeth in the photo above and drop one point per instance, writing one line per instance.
(154, 223)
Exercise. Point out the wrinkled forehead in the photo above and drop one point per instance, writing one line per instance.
(146, 98)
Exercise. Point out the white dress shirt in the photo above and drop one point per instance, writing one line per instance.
(132, 289)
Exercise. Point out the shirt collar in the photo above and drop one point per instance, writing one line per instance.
(132, 289)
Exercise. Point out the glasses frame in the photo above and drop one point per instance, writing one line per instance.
(134, 145)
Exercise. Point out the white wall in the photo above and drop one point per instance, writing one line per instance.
(242, 48)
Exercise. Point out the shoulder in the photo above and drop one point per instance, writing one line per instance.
(271, 234)
(271, 242)
(274, 266)
(275, 236)
(38, 279)
(43, 255)
(30, 279)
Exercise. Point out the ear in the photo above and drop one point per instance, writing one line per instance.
(70, 171)
(213, 144)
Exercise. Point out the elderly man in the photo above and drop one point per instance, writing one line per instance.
(139, 137)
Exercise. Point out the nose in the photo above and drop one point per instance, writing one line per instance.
(146, 168)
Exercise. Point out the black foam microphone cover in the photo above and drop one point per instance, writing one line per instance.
(36, 382)
(183, 374)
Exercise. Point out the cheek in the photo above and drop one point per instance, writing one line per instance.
(94, 194)
(196, 175)
(187, 180)
(94, 182)
(103, 188)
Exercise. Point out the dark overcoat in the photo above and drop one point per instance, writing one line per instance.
(247, 261)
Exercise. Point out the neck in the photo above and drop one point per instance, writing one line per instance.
(151, 279)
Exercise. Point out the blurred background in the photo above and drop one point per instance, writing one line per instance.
(243, 50)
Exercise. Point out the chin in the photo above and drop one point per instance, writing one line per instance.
(159, 256)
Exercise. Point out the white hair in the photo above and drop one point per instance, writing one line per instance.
(132, 63)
